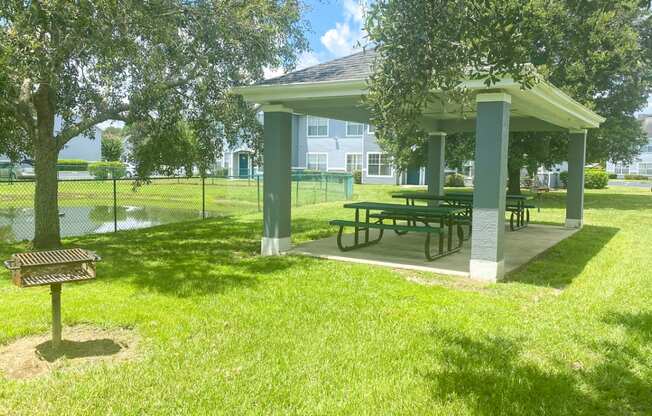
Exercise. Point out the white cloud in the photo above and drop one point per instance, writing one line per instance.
(354, 10)
(343, 39)
(272, 72)
(340, 40)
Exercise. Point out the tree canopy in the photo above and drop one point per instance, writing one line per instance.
(599, 52)
(154, 63)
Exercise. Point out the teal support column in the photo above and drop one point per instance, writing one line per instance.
(575, 187)
(436, 163)
(490, 180)
(277, 181)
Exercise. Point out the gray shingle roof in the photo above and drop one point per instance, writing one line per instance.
(356, 66)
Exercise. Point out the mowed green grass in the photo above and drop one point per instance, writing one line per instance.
(228, 332)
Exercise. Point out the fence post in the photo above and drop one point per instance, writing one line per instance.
(326, 192)
(115, 205)
(203, 198)
(297, 192)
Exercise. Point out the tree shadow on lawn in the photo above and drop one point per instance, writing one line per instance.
(189, 259)
(559, 265)
(492, 376)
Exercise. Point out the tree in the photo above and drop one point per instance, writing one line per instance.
(112, 143)
(599, 52)
(152, 62)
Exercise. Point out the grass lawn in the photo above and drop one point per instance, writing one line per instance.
(227, 331)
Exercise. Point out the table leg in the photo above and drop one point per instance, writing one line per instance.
(366, 231)
(357, 219)
(450, 232)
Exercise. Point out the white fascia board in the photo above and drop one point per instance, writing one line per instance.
(303, 90)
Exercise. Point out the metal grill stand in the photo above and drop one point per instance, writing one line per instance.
(53, 268)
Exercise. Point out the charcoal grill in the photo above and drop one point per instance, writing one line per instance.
(53, 268)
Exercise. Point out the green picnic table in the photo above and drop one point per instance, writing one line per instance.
(434, 219)
(516, 204)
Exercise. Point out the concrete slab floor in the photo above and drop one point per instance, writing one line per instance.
(406, 251)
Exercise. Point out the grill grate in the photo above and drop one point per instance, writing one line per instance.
(44, 258)
(48, 279)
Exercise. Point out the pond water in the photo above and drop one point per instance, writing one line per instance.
(17, 224)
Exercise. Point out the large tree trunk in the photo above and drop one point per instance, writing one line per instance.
(46, 152)
(513, 177)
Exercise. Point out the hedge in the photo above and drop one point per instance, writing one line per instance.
(593, 178)
(454, 180)
(106, 170)
(637, 177)
(72, 165)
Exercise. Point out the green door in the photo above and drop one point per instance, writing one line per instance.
(243, 165)
(413, 175)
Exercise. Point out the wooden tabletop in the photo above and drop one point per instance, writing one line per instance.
(401, 208)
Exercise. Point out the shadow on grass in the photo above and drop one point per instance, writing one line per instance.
(78, 349)
(493, 376)
(558, 266)
(189, 259)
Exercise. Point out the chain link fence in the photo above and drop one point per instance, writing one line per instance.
(88, 206)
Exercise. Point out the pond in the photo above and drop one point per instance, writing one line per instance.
(17, 224)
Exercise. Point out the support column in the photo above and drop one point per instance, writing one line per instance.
(436, 163)
(575, 187)
(490, 180)
(277, 180)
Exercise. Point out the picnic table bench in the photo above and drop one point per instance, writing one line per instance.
(517, 205)
(439, 221)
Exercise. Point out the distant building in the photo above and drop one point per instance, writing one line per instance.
(642, 164)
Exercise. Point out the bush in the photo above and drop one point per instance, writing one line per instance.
(637, 177)
(613, 176)
(563, 177)
(455, 180)
(357, 177)
(593, 178)
(106, 170)
(76, 165)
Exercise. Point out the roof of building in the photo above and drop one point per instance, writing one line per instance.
(352, 67)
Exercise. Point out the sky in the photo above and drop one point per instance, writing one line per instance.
(336, 29)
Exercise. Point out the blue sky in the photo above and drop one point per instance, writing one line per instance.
(336, 29)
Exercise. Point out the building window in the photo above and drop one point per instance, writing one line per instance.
(648, 148)
(621, 169)
(353, 162)
(370, 129)
(354, 129)
(645, 169)
(317, 126)
(317, 161)
(379, 164)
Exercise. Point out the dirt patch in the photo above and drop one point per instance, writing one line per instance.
(459, 283)
(82, 346)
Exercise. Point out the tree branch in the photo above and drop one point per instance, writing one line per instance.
(67, 134)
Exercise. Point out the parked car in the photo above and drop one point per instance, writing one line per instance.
(25, 170)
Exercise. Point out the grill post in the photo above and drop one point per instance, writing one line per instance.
(55, 290)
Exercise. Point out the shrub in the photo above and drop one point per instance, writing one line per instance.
(637, 177)
(593, 178)
(563, 177)
(357, 177)
(106, 170)
(76, 165)
(455, 180)
(613, 176)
